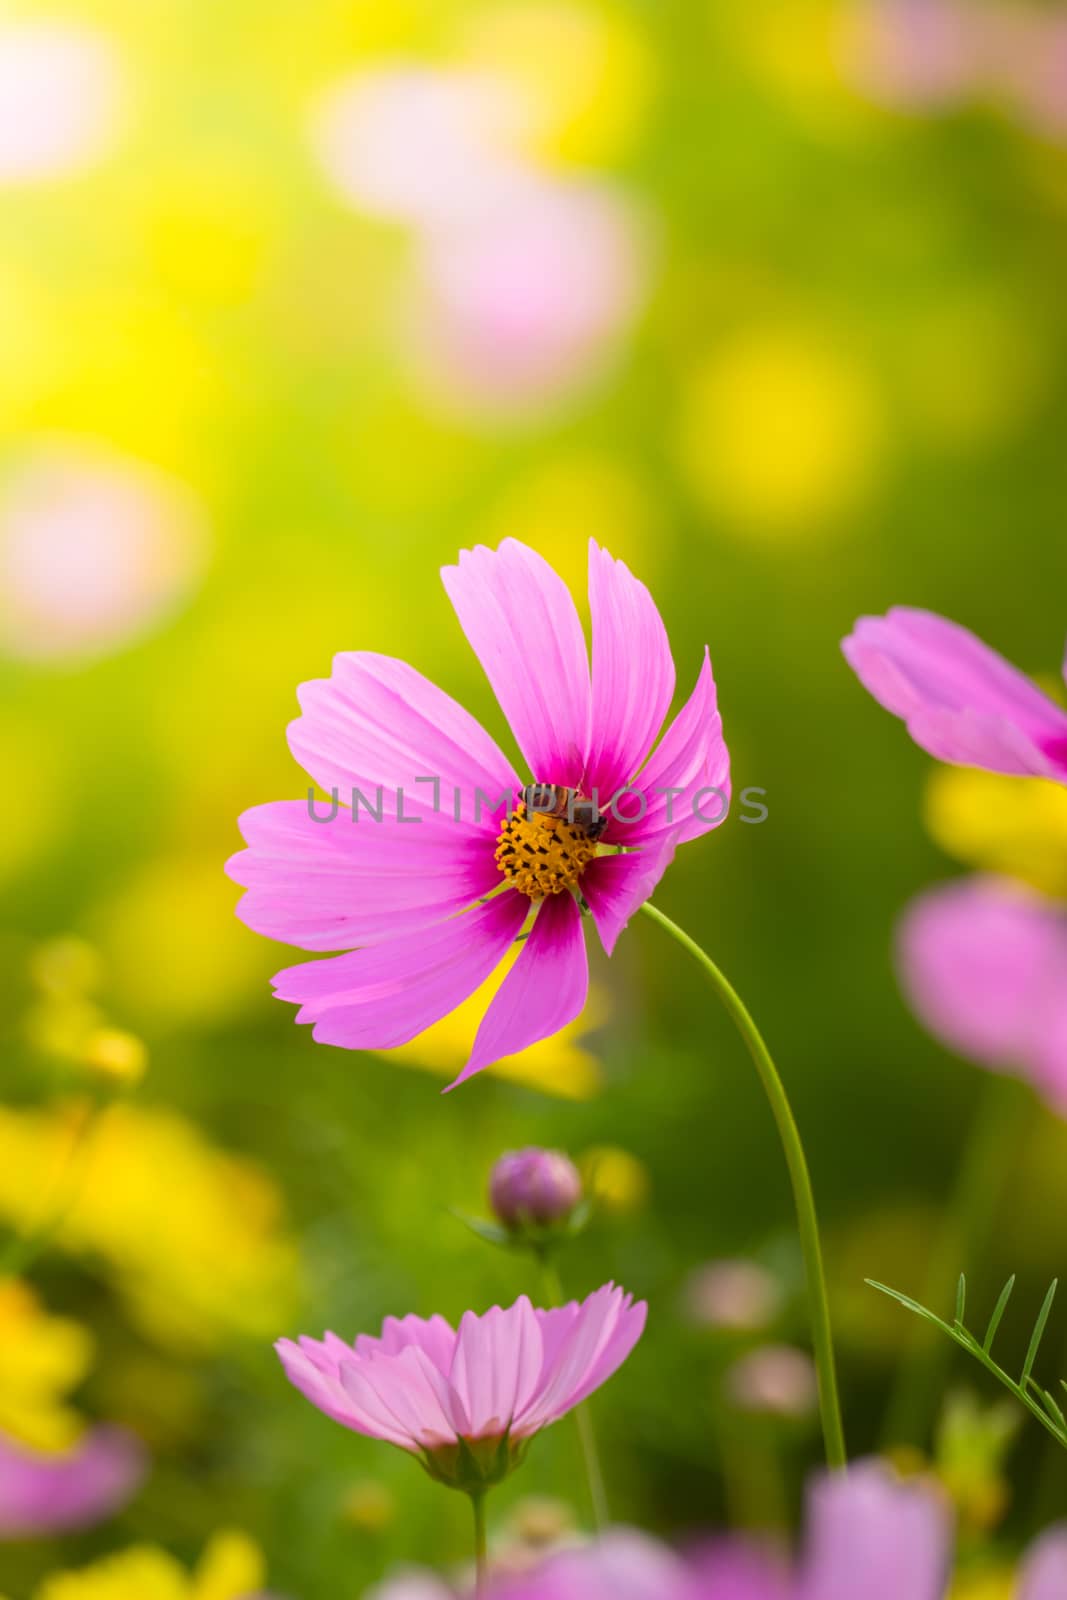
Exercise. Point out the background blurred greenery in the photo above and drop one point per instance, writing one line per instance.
(832, 378)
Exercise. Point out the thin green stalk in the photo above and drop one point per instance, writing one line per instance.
(803, 1198)
(481, 1550)
(582, 1418)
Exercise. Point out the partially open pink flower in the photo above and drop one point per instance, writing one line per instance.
(437, 866)
(43, 1493)
(961, 701)
(468, 1402)
(983, 963)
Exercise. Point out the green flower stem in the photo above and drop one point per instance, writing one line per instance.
(481, 1552)
(583, 1420)
(803, 1198)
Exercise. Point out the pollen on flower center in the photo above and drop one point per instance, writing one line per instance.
(542, 854)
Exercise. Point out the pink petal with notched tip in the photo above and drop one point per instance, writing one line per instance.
(960, 700)
(376, 721)
(384, 995)
(521, 622)
(544, 991)
(332, 885)
(497, 1365)
(692, 759)
(602, 1334)
(633, 675)
(615, 887)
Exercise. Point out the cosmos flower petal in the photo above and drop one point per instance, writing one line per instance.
(368, 1387)
(871, 1534)
(434, 1336)
(319, 1381)
(633, 674)
(497, 1365)
(386, 994)
(332, 885)
(960, 700)
(544, 991)
(684, 787)
(43, 1493)
(615, 887)
(600, 1338)
(1044, 1574)
(521, 622)
(983, 963)
(413, 1392)
(511, 1372)
(377, 722)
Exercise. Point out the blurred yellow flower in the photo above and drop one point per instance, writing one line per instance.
(41, 1358)
(616, 1180)
(583, 73)
(781, 431)
(1016, 826)
(231, 1568)
(192, 1235)
(801, 58)
(558, 1065)
(115, 1055)
(369, 1506)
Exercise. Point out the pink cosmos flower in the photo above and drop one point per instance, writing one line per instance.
(42, 1493)
(874, 1535)
(529, 300)
(427, 873)
(961, 701)
(468, 1402)
(1044, 1575)
(983, 963)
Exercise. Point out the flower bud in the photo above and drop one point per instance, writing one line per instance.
(534, 1186)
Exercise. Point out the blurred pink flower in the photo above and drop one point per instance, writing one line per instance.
(740, 1296)
(983, 963)
(94, 550)
(45, 1493)
(467, 1402)
(527, 299)
(534, 1185)
(777, 1380)
(912, 53)
(961, 701)
(1044, 1573)
(870, 1533)
(60, 98)
(395, 890)
(418, 144)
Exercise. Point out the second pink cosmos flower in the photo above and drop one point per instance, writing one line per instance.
(424, 881)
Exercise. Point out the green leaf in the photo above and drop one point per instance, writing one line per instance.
(1039, 1329)
(998, 1312)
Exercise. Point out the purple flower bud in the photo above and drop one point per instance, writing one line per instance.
(535, 1186)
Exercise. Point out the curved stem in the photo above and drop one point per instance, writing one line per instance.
(481, 1555)
(582, 1418)
(803, 1198)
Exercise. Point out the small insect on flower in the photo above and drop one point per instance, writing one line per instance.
(427, 898)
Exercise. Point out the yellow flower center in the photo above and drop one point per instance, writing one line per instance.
(542, 854)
